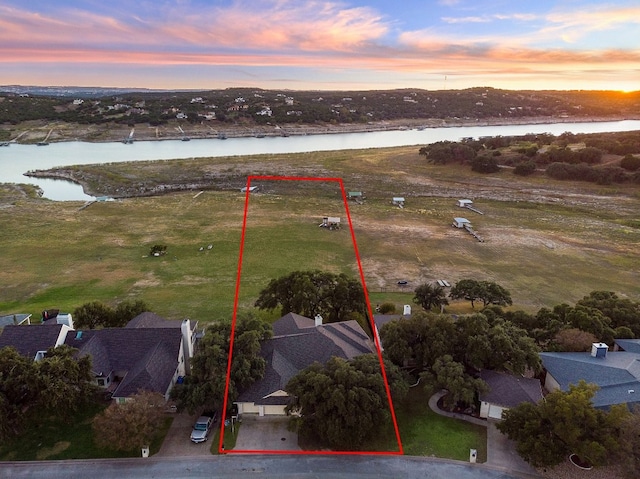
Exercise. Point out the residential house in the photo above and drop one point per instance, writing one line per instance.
(629, 345)
(616, 373)
(15, 319)
(150, 353)
(380, 320)
(297, 343)
(58, 318)
(188, 328)
(33, 341)
(506, 391)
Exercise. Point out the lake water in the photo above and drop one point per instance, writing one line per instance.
(17, 159)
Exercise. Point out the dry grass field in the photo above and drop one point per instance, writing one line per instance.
(546, 241)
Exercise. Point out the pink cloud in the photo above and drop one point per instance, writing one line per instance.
(310, 26)
(308, 34)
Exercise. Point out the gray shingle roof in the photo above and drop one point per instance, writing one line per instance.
(288, 354)
(28, 340)
(149, 356)
(153, 372)
(152, 320)
(507, 390)
(291, 323)
(9, 319)
(629, 345)
(616, 374)
(382, 319)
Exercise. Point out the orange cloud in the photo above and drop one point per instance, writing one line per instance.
(309, 34)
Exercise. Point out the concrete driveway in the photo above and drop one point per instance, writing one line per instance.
(501, 452)
(177, 442)
(266, 434)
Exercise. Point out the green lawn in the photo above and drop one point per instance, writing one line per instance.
(47, 438)
(230, 438)
(425, 433)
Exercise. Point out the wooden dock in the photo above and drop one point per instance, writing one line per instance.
(475, 210)
(473, 233)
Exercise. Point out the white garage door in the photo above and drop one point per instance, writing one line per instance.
(495, 412)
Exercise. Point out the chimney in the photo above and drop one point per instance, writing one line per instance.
(318, 320)
(599, 350)
(187, 342)
(406, 310)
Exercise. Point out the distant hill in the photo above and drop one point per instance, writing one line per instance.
(69, 91)
(252, 106)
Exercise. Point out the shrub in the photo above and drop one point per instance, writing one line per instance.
(387, 308)
(485, 165)
(630, 163)
(158, 250)
(525, 168)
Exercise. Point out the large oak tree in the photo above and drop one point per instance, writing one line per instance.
(58, 385)
(486, 291)
(565, 423)
(204, 387)
(344, 403)
(430, 295)
(308, 293)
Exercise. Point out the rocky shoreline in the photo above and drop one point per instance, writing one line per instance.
(34, 132)
(97, 187)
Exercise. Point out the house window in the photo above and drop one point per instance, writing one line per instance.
(101, 382)
(121, 400)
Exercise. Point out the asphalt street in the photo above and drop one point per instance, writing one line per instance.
(256, 466)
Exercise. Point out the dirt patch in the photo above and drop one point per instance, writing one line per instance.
(148, 282)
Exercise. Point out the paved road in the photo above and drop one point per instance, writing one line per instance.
(254, 467)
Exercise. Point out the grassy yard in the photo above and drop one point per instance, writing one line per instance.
(48, 438)
(547, 242)
(230, 438)
(425, 433)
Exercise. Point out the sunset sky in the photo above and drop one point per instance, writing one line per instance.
(328, 45)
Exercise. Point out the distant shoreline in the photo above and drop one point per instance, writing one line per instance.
(35, 132)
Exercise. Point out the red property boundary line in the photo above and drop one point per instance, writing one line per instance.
(221, 449)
